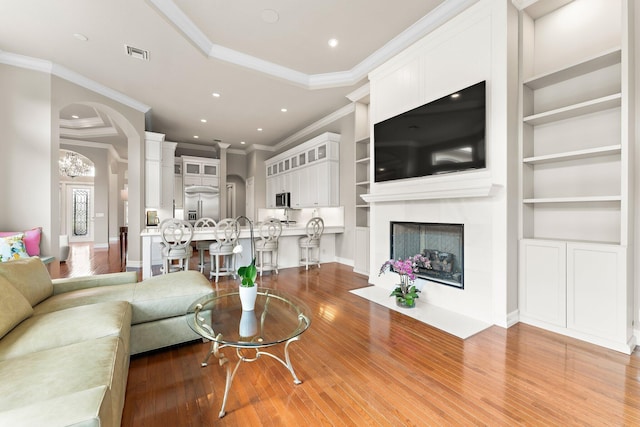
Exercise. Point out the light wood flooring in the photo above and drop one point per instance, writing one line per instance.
(365, 365)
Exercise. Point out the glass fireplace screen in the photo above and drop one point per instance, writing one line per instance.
(442, 244)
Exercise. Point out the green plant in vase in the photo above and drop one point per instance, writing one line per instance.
(248, 274)
(406, 292)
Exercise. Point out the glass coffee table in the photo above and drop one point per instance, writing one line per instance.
(277, 319)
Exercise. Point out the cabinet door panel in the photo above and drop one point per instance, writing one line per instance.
(153, 184)
(595, 289)
(542, 294)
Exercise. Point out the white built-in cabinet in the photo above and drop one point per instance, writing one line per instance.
(574, 174)
(159, 159)
(178, 183)
(200, 171)
(363, 183)
(310, 172)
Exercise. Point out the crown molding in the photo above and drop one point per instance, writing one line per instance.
(360, 93)
(51, 68)
(93, 144)
(89, 133)
(236, 151)
(316, 126)
(89, 122)
(421, 28)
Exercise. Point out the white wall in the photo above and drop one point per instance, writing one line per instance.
(476, 45)
(29, 159)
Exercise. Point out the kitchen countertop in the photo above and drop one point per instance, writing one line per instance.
(297, 230)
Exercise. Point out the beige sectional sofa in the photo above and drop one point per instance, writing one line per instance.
(65, 343)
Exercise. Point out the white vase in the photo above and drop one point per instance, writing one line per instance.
(248, 297)
(248, 324)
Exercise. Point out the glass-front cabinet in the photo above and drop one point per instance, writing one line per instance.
(310, 172)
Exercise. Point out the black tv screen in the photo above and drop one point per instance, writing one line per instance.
(443, 136)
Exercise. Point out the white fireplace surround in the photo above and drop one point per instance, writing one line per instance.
(476, 45)
(479, 184)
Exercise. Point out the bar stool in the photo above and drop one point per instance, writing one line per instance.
(223, 258)
(269, 230)
(311, 242)
(176, 236)
(204, 224)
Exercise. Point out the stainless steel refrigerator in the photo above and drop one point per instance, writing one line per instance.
(201, 201)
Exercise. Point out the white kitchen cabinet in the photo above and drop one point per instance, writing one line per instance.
(159, 160)
(200, 171)
(310, 172)
(178, 184)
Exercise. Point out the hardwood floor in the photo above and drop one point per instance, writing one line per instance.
(362, 364)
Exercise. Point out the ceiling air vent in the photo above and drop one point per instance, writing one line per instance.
(136, 52)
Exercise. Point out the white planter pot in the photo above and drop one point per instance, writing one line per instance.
(248, 297)
(248, 324)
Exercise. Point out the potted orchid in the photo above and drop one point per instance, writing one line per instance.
(406, 292)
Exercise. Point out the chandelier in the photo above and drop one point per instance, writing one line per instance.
(72, 166)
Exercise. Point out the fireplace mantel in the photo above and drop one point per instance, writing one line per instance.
(450, 189)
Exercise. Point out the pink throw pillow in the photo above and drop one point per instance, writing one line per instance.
(31, 239)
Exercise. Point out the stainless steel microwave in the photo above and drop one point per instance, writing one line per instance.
(283, 200)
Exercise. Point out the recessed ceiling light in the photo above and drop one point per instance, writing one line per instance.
(333, 42)
(203, 120)
(455, 95)
(75, 116)
(284, 110)
(215, 95)
(269, 16)
(259, 129)
(242, 142)
(81, 37)
(196, 136)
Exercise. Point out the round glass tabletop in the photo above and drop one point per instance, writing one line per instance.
(276, 318)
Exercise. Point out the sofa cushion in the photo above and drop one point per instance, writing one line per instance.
(31, 239)
(30, 277)
(168, 295)
(86, 296)
(70, 326)
(12, 247)
(49, 374)
(85, 408)
(14, 308)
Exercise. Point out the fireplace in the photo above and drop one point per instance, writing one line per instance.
(441, 243)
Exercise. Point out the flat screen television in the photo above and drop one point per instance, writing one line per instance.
(443, 136)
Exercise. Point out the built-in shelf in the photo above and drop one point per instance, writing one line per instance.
(571, 111)
(573, 155)
(597, 62)
(364, 140)
(363, 183)
(362, 206)
(364, 160)
(584, 199)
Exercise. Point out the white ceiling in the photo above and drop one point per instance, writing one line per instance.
(199, 47)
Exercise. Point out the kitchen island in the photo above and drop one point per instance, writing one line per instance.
(288, 252)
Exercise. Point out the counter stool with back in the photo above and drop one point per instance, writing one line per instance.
(176, 235)
(223, 258)
(269, 231)
(311, 242)
(206, 224)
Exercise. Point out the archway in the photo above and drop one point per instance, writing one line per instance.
(113, 143)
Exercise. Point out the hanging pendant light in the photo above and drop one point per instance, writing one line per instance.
(72, 165)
